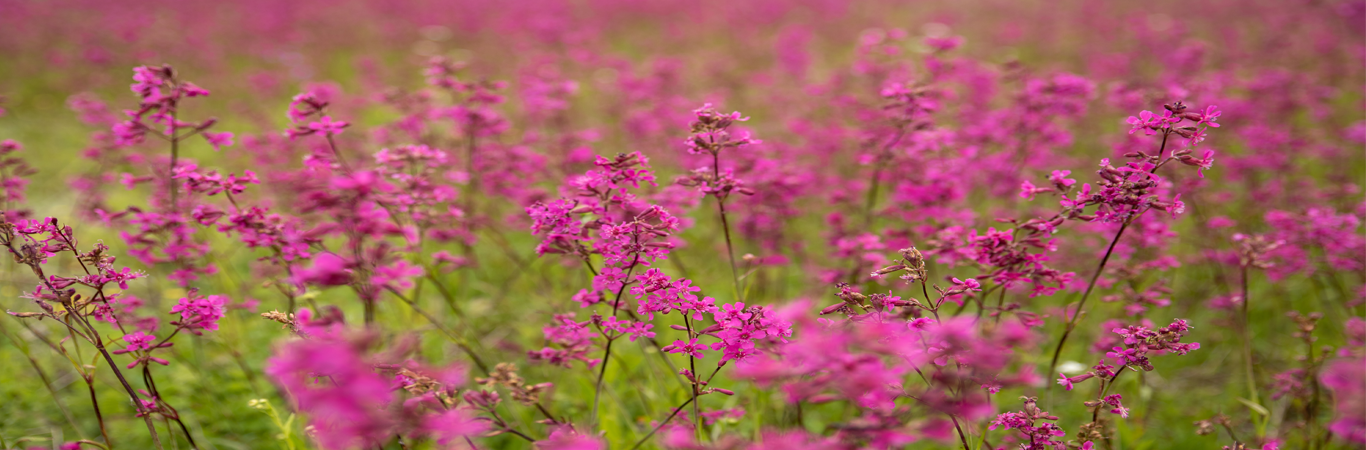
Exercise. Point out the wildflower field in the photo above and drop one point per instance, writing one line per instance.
(692, 225)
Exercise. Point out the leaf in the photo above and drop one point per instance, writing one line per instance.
(1254, 406)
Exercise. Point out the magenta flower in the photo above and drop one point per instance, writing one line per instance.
(325, 124)
(1145, 121)
(690, 348)
(396, 275)
(142, 342)
(968, 285)
(640, 330)
(1028, 190)
(345, 399)
(327, 270)
(1346, 377)
(566, 438)
(137, 341)
(1067, 382)
(1113, 401)
(218, 140)
(1202, 164)
(453, 425)
(1059, 179)
(1210, 115)
(200, 313)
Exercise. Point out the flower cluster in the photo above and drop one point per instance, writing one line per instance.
(1140, 341)
(161, 92)
(339, 382)
(1036, 425)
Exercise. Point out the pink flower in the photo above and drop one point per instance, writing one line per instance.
(327, 270)
(346, 401)
(325, 124)
(452, 425)
(943, 44)
(1028, 190)
(962, 286)
(1145, 121)
(397, 275)
(1210, 115)
(1113, 400)
(1202, 164)
(200, 313)
(1346, 377)
(218, 140)
(690, 348)
(566, 438)
(640, 330)
(137, 341)
(1059, 178)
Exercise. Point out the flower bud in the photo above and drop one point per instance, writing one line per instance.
(832, 308)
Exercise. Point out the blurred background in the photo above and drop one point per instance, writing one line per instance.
(587, 77)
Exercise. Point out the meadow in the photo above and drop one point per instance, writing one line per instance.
(692, 225)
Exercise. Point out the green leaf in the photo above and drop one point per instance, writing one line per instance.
(1254, 406)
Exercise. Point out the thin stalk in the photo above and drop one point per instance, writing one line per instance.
(661, 424)
(445, 294)
(1311, 410)
(459, 342)
(47, 382)
(1072, 322)
(1247, 356)
(1000, 305)
(99, 345)
(341, 160)
(546, 413)
(607, 350)
(518, 434)
(692, 365)
(871, 197)
(98, 415)
(185, 430)
(473, 186)
(1095, 413)
(962, 437)
(725, 225)
(175, 156)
